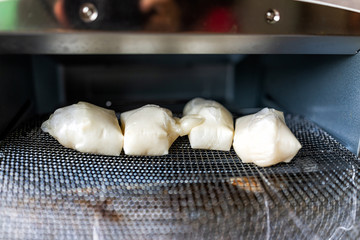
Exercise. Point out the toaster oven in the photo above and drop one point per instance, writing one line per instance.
(298, 57)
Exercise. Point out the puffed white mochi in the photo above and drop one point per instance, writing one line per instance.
(264, 139)
(86, 128)
(151, 130)
(217, 130)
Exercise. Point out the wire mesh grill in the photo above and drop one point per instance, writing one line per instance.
(51, 192)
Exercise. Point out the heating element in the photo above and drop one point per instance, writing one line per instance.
(51, 192)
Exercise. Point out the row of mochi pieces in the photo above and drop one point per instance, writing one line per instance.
(262, 138)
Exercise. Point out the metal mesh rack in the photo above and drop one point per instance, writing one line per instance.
(51, 192)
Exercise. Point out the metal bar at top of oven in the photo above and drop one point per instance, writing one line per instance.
(115, 43)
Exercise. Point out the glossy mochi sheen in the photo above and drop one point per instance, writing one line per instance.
(264, 139)
(86, 128)
(151, 130)
(217, 130)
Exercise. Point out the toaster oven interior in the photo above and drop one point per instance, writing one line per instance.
(322, 88)
(48, 191)
(300, 57)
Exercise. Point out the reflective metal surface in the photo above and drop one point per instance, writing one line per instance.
(88, 12)
(99, 26)
(351, 5)
(273, 16)
(109, 43)
(218, 16)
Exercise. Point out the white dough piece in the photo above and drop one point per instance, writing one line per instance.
(217, 130)
(151, 130)
(264, 139)
(86, 128)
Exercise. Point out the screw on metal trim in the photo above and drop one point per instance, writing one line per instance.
(88, 12)
(272, 16)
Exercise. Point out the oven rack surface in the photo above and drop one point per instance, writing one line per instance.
(48, 191)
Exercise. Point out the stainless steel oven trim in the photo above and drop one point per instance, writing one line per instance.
(115, 43)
